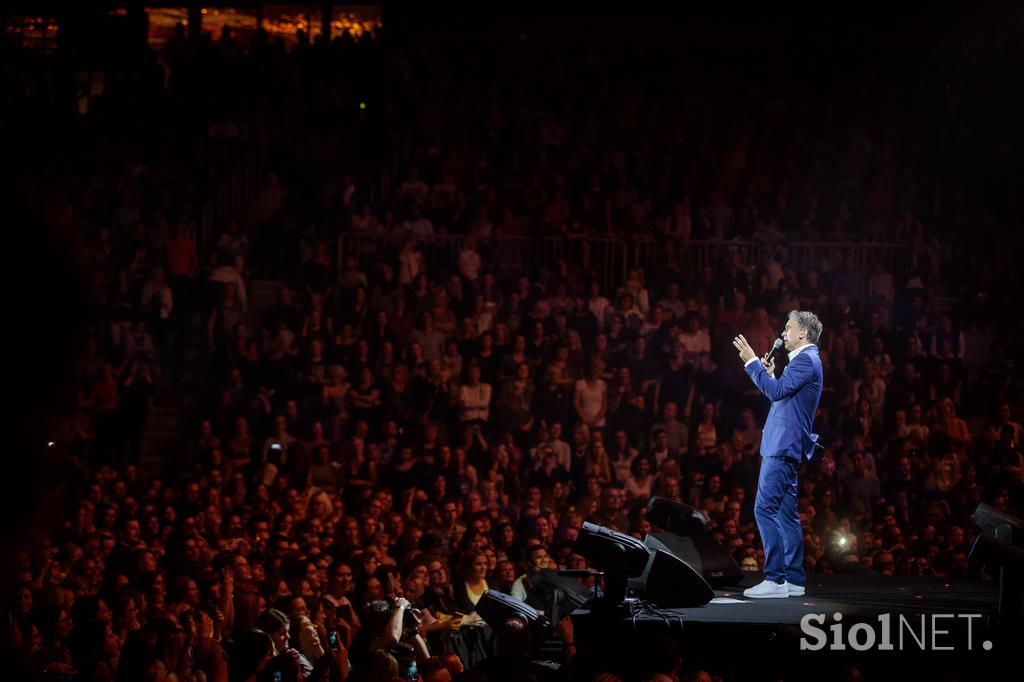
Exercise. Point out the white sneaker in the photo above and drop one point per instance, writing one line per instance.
(794, 590)
(767, 590)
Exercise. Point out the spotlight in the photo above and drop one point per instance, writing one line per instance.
(497, 607)
(562, 593)
(999, 526)
(675, 517)
(629, 564)
(620, 556)
(611, 550)
(999, 551)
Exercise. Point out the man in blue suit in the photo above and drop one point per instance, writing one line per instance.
(786, 442)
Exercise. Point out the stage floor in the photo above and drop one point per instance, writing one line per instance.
(855, 596)
(741, 638)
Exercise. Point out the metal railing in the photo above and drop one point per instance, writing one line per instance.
(607, 259)
(235, 199)
(694, 255)
(238, 196)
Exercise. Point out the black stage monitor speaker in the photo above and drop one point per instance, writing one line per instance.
(709, 559)
(669, 582)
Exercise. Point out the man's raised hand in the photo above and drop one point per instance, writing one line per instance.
(746, 352)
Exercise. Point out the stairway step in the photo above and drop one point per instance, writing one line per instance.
(176, 409)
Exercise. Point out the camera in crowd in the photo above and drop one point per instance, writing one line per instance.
(410, 620)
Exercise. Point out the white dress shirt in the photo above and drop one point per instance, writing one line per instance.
(792, 354)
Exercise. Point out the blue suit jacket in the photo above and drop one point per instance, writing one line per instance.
(794, 396)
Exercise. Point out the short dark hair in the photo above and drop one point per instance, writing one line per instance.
(533, 549)
(271, 620)
(807, 321)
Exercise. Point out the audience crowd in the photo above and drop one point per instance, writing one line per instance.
(399, 431)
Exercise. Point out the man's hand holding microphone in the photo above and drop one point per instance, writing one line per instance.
(747, 353)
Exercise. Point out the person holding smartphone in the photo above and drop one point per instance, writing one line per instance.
(335, 656)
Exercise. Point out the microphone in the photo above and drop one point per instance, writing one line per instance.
(775, 346)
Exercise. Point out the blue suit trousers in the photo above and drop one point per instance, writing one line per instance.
(779, 521)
